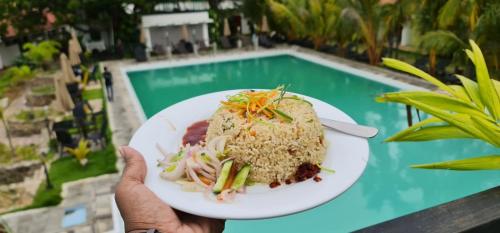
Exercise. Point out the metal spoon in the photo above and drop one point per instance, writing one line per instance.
(349, 128)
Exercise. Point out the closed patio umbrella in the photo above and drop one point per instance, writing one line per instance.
(184, 32)
(142, 36)
(63, 100)
(74, 49)
(227, 31)
(264, 27)
(67, 71)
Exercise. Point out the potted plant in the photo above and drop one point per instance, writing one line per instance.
(80, 152)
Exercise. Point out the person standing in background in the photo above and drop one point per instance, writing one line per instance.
(108, 81)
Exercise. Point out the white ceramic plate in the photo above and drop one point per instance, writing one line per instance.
(347, 155)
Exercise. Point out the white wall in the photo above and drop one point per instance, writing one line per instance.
(8, 54)
(174, 34)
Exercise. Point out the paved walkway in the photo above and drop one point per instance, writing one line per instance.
(92, 193)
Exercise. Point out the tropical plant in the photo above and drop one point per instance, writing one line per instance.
(80, 152)
(448, 23)
(17, 74)
(42, 53)
(368, 16)
(314, 19)
(444, 43)
(468, 111)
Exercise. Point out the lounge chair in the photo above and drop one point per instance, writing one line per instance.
(224, 41)
(180, 48)
(202, 46)
(140, 53)
(64, 139)
(246, 41)
(98, 136)
(265, 42)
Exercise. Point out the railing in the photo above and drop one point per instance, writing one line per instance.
(479, 212)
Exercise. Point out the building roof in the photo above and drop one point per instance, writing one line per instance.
(173, 19)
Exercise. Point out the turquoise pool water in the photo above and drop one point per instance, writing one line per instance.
(387, 189)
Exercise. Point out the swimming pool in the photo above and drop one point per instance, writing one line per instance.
(387, 189)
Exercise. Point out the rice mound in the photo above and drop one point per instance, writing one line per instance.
(273, 148)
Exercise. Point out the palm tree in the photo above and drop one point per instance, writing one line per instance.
(368, 16)
(448, 24)
(314, 19)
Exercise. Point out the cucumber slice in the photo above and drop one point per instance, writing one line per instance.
(241, 177)
(224, 173)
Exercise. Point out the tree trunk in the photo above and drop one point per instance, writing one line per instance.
(432, 62)
(373, 55)
(7, 133)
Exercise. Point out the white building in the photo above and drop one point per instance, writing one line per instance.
(160, 28)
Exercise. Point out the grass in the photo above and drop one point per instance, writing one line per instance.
(69, 169)
(23, 153)
(29, 115)
(93, 94)
(43, 90)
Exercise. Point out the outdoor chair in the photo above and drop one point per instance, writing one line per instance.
(180, 48)
(98, 135)
(265, 42)
(246, 41)
(140, 53)
(64, 139)
(93, 74)
(225, 44)
(202, 46)
(159, 50)
(74, 90)
(63, 125)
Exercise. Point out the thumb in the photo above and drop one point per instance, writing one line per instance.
(135, 166)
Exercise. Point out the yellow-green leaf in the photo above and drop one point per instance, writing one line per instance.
(399, 65)
(434, 133)
(490, 129)
(462, 121)
(461, 93)
(497, 86)
(443, 102)
(470, 55)
(409, 130)
(488, 94)
(472, 90)
(490, 162)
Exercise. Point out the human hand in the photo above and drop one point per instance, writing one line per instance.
(141, 209)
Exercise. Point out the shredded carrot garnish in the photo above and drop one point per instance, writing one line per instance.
(205, 180)
(252, 103)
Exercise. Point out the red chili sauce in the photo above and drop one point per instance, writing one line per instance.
(195, 133)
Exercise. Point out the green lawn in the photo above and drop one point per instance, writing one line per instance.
(69, 169)
(93, 94)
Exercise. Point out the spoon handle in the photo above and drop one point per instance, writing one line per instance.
(348, 128)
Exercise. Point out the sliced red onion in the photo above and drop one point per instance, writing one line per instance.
(195, 177)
